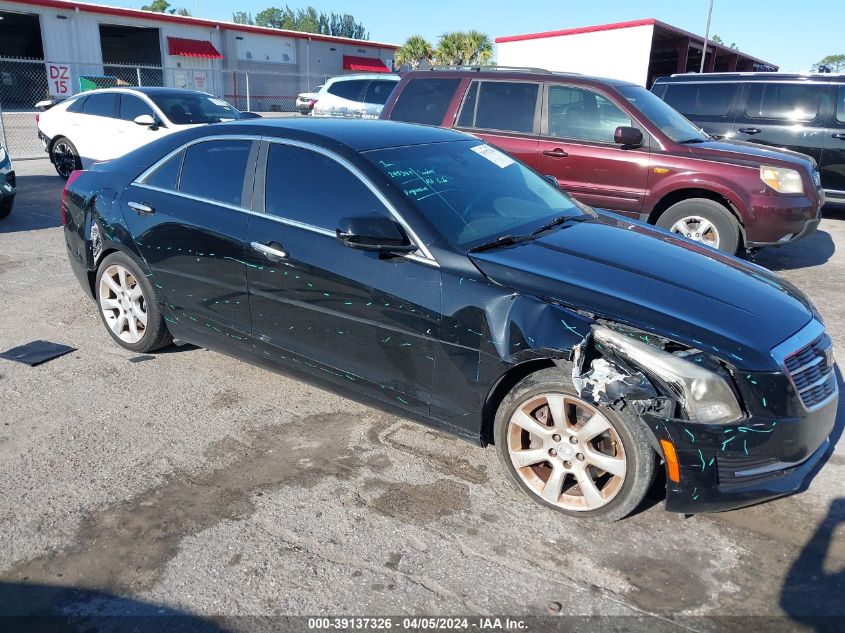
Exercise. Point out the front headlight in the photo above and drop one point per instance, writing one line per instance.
(706, 396)
(781, 179)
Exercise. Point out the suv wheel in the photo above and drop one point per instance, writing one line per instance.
(704, 221)
(65, 157)
(570, 455)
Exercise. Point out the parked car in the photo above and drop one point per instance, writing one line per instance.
(614, 145)
(305, 100)
(8, 185)
(804, 113)
(424, 270)
(101, 125)
(358, 96)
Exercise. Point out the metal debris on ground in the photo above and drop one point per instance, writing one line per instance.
(36, 352)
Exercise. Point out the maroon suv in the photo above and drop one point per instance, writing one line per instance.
(614, 145)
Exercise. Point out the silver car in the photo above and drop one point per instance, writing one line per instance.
(357, 96)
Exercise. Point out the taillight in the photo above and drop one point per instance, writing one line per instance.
(311, 103)
(37, 118)
(76, 173)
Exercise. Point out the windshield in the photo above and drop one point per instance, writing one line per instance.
(671, 122)
(188, 108)
(471, 192)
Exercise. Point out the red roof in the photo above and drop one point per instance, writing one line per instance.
(365, 64)
(70, 5)
(582, 29)
(192, 48)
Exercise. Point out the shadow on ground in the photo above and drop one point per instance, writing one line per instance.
(51, 608)
(28, 213)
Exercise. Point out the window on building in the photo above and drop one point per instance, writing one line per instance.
(424, 101)
(582, 114)
(226, 161)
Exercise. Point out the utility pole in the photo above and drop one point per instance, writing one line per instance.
(706, 36)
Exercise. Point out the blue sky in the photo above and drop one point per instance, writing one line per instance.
(790, 34)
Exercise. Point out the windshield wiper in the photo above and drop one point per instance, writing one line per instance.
(560, 220)
(689, 141)
(502, 240)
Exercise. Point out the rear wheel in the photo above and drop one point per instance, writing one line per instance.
(65, 157)
(704, 221)
(570, 455)
(128, 305)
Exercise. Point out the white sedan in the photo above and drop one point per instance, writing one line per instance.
(101, 125)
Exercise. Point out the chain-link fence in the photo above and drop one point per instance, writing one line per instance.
(25, 82)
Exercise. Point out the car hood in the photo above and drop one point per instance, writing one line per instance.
(651, 279)
(750, 153)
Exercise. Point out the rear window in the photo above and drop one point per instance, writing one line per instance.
(347, 89)
(786, 102)
(101, 104)
(425, 101)
(704, 99)
(507, 106)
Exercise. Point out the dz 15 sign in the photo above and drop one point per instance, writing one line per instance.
(58, 79)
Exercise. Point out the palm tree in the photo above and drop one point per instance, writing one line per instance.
(477, 48)
(415, 50)
(450, 50)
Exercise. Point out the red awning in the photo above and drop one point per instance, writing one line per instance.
(192, 48)
(365, 64)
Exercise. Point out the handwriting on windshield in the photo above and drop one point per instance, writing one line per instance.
(418, 183)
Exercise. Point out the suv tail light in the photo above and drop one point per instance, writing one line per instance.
(76, 173)
(311, 104)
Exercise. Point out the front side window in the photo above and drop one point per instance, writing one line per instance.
(186, 108)
(424, 101)
(506, 106)
(471, 192)
(785, 102)
(350, 90)
(131, 107)
(311, 188)
(215, 170)
(582, 114)
(701, 99)
(104, 104)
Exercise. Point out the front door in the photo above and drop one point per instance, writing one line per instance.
(577, 147)
(339, 313)
(130, 135)
(832, 163)
(190, 229)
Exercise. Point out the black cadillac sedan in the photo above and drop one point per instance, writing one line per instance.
(421, 269)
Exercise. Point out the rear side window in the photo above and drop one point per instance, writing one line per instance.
(582, 114)
(424, 101)
(786, 102)
(840, 105)
(215, 170)
(166, 176)
(101, 104)
(704, 99)
(131, 107)
(378, 91)
(507, 106)
(77, 104)
(296, 188)
(347, 89)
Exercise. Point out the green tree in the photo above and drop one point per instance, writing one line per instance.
(461, 48)
(242, 17)
(414, 51)
(450, 49)
(834, 63)
(309, 20)
(159, 6)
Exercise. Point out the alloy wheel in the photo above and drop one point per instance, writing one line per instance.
(123, 304)
(566, 452)
(64, 158)
(697, 228)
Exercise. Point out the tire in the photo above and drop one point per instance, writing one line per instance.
(124, 297)
(686, 217)
(6, 207)
(65, 157)
(625, 439)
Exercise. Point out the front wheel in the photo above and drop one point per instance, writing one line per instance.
(570, 455)
(65, 157)
(703, 220)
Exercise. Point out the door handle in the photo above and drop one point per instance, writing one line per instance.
(142, 208)
(841, 137)
(273, 250)
(555, 153)
(749, 130)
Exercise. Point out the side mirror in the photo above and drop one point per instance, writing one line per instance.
(625, 135)
(146, 120)
(553, 181)
(373, 232)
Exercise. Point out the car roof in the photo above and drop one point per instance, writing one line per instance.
(357, 134)
(533, 74)
(389, 77)
(146, 90)
(708, 77)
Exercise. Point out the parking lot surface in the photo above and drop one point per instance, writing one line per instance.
(202, 484)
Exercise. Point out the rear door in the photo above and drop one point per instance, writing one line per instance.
(790, 115)
(342, 314)
(189, 218)
(506, 114)
(709, 104)
(832, 163)
(578, 149)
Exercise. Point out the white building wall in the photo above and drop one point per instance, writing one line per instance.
(615, 53)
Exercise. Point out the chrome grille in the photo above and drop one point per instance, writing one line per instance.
(811, 371)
